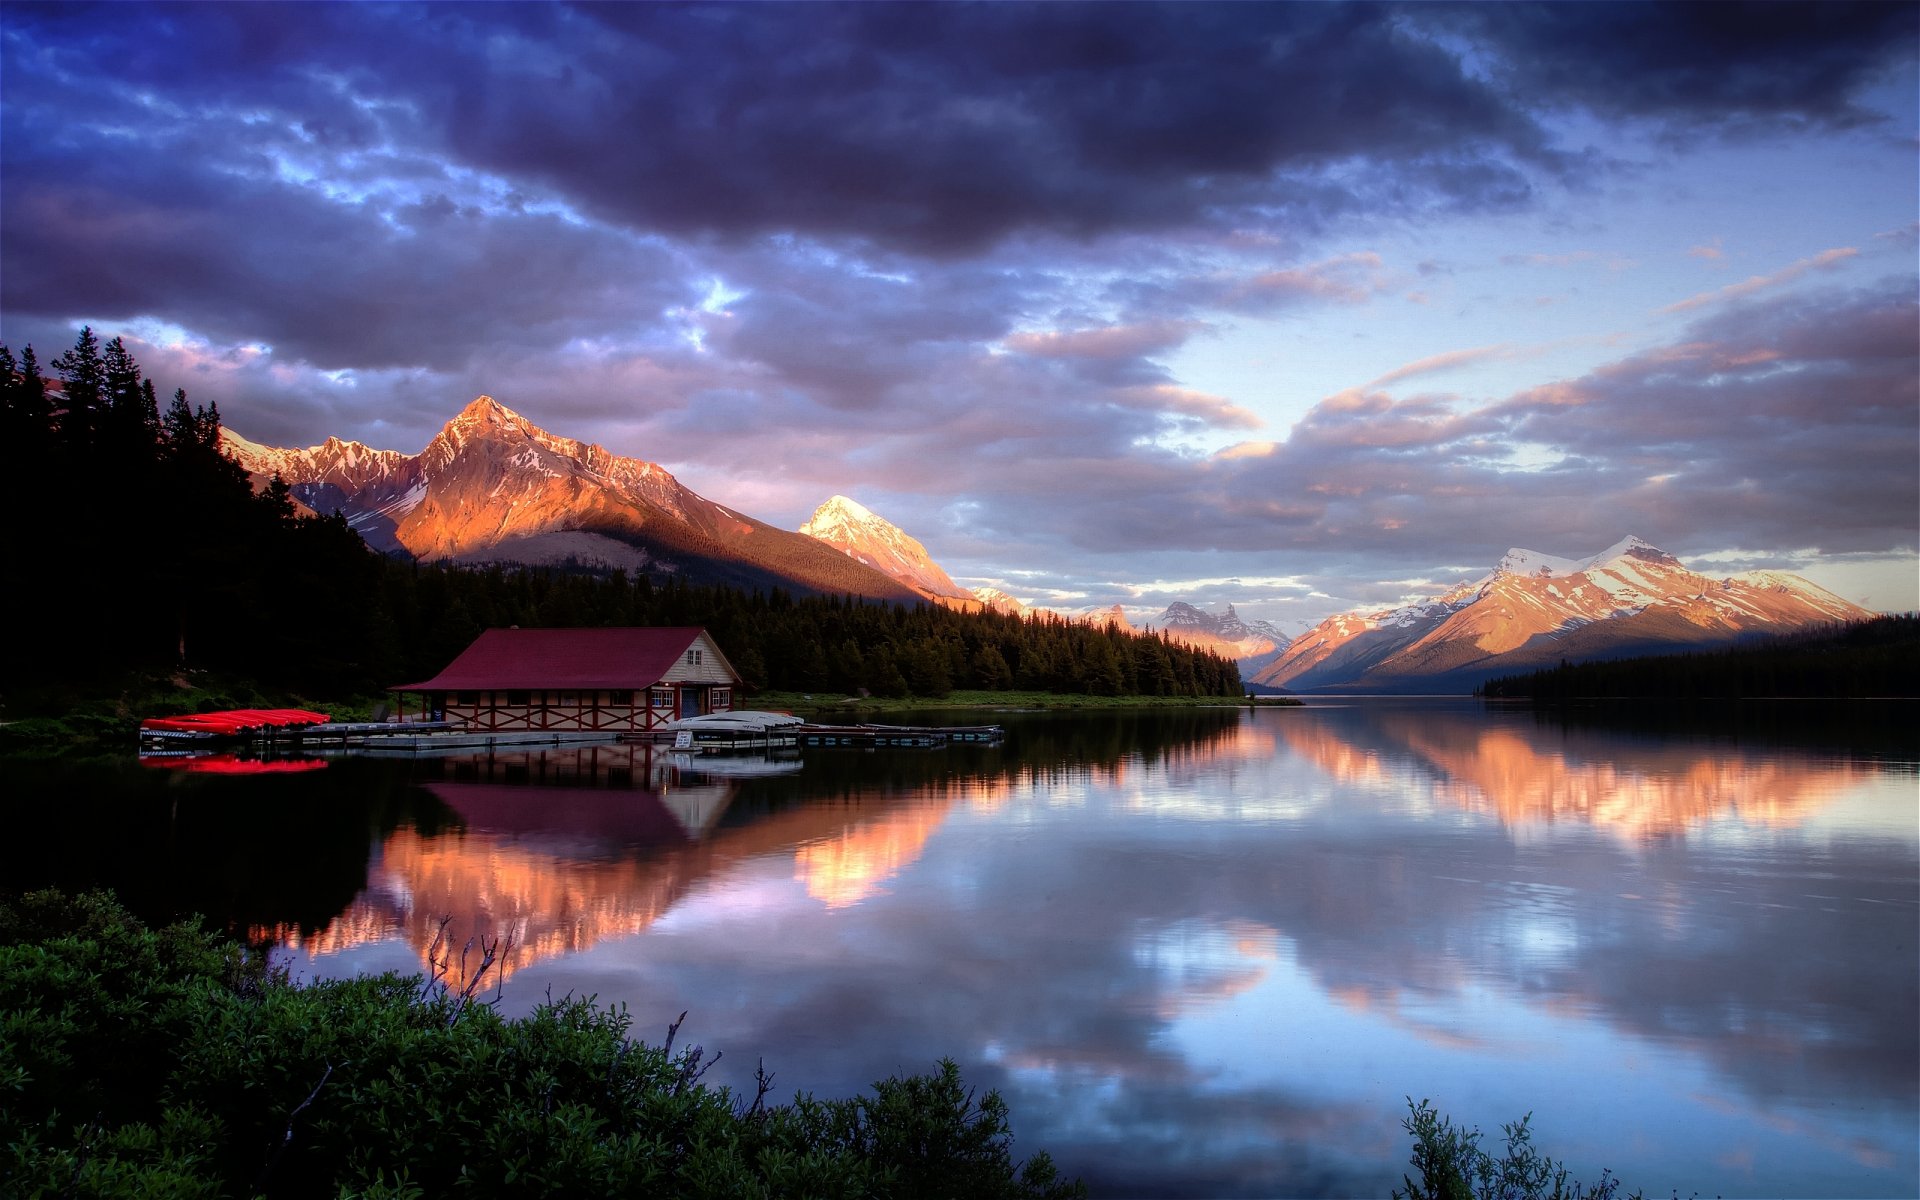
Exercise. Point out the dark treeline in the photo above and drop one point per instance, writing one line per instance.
(1880, 657)
(138, 545)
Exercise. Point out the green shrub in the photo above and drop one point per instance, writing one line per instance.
(1452, 1165)
(140, 1062)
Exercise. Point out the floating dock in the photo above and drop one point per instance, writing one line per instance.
(810, 736)
(743, 733)
(869, 737)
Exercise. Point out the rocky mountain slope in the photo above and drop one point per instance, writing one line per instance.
(1253, 643)
(1534, 610)
(876, 542)
(494, 487)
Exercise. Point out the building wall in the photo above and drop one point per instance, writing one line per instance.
(701, 665)
(702, 662)
(622, 711)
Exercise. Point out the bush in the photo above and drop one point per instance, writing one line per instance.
(1452, 1165)
(170, 1063)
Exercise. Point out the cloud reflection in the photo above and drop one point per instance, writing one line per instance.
(1214, 967)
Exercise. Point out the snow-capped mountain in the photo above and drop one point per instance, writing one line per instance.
(857, 532)
(1225, 634)
(494, 487)
(1533, 610)
(1001, 602)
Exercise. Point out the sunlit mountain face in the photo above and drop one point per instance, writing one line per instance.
(1536, 610)
(492, 486)
(868, 538)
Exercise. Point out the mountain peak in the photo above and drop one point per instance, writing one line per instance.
(485, 408)
(865, 536)
(1536, 609)
(1521, 561)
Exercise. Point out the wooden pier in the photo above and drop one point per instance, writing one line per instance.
(870, 737)
(440, 737)
(834, 737)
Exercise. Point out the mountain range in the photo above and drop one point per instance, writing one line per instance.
(493, 487)
(1535, 610)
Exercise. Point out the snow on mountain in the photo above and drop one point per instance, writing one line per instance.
(860, 534)
(1226, 634)
(1536, 609)
(1001, 602)
(492, 486)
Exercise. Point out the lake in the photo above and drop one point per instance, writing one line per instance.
(1201, 952)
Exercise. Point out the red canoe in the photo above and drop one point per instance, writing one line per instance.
(233, 721)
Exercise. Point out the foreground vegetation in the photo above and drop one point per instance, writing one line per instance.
(1877, 658)
(1454, 1165)
(171, 1063)
(147, 549)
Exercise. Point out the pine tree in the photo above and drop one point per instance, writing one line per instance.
(83, 375)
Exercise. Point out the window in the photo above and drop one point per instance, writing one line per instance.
(467, 699)
(663, 697)
(569, 700)
(722, 698)
(619, 699)
(519, 699)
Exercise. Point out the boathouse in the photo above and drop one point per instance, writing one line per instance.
(628, 679)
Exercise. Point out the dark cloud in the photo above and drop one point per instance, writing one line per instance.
(803, 248)
(1693, 65)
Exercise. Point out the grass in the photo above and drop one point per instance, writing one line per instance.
(831, 702)
(95, 715)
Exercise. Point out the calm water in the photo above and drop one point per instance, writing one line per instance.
(1201, 952)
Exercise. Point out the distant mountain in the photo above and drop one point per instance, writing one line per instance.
(1253, 643)
(1536, 609)
(866, 538)
(1001, 602)
(494, 487)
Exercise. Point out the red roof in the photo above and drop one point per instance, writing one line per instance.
(581, 659)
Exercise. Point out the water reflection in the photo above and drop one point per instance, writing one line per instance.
(556, 850)
(1523, 774)
(1208, 953)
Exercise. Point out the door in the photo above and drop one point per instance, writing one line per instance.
(690, 702)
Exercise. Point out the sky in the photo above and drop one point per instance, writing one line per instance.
(1299, 307)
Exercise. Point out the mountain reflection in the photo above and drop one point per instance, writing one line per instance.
(557, 851)
(1523, 775)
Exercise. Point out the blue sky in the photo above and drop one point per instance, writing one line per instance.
(1293, 306)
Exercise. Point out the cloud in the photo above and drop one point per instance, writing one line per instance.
(962, 248)
(1444, 361)
(1694, 67)
(1825, 260)
(1136, 340)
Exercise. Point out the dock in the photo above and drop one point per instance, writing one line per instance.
(869, 737)
(744, 734)
(820, 737)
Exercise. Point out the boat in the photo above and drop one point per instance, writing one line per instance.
(737, 729)
(232, 724)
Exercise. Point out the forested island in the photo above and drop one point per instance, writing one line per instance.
(148, 550)
(1868, 659)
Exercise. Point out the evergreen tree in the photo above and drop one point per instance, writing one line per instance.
(83, 376)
